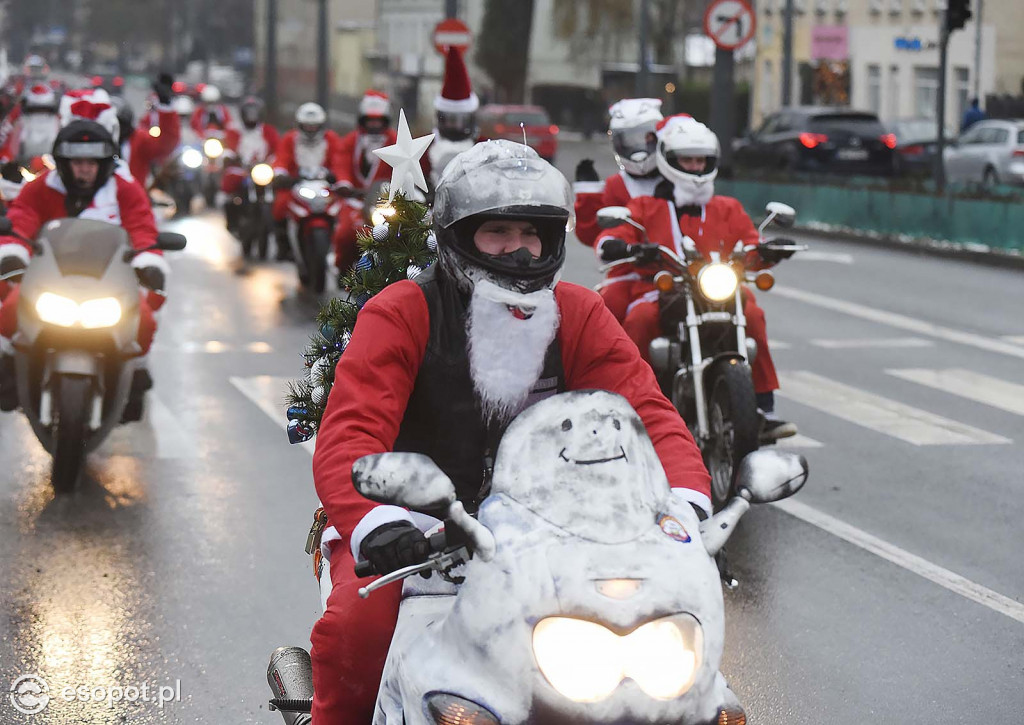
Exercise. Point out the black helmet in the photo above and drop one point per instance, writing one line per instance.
(502, 180)
(125, 119)
(83, 140)
(456, 125)
(251, 111)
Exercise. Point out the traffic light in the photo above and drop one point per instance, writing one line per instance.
(958, 12)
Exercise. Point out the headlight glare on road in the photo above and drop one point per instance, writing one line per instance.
(192, 158)
(57, 310)
(103, 312)
(213, 148)
(585, 662)
(717, 281)
(262, 174)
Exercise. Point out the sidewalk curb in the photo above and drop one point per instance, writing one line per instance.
(928, 247)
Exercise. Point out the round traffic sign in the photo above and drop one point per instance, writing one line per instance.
(451, 32)
(730, 23)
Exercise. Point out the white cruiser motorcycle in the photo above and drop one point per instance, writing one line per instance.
(584, 591)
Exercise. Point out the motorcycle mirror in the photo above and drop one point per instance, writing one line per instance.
(412, 480)
(612, 216)
(782, 214)
(170, 241)
(766, 475)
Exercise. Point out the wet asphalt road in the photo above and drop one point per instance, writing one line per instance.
(179, 563)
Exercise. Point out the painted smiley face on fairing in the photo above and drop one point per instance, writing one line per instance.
(583, 462)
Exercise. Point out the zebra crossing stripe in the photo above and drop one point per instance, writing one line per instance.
(879, 342)
(880, 414)
(968, 384)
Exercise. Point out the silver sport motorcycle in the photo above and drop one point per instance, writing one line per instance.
(75, 350)
(584, 591)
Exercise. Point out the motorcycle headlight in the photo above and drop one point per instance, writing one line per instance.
(262, 174)
(192, 158)
(307, 193)
(585, 661)
(213, 148)
(155, 131)
(717, 281)
(92, 314)
(381, 214)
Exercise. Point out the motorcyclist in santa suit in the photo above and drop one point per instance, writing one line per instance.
(210, 115)
(684, 203)
(255, 141)
(88, 183)
(440, 365)
(455, 126)
(632, 126)
(156, 135)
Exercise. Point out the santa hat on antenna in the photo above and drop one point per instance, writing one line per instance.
(375, 103)
(91, 104)
(457, 95)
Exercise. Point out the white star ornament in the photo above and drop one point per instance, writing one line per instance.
(404, 159)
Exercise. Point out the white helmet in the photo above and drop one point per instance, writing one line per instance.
(678, 138)
(632, 129)
(311, 119)
(210, 94)
(40, 97)
(183, 105)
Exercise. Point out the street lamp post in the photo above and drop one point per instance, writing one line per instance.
(321, 54)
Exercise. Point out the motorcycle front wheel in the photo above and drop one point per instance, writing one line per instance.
(733, 426)
(73, 407)
(263, 233)
(318, 246)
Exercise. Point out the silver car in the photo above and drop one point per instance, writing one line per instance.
(989, 153)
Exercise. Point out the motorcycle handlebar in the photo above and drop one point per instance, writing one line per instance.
(451, 537)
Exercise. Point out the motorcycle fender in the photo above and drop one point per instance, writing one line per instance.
(75, 362)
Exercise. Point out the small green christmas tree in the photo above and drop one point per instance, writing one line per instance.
(396, 249)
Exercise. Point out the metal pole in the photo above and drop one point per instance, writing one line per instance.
(641, 76)
(940, 169)
(451, 8)
(321, 56)
(723, 104)
(270, 69)
(977, 50)
(787, 54)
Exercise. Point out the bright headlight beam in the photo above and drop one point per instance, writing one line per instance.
(91, 314)
(102, 312)
(262, 174)
(717, 281)
(192, 158)
(586, 662)
(213, 148)
(57, 310)
(306, 193)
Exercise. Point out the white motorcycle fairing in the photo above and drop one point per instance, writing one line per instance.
(578, 498)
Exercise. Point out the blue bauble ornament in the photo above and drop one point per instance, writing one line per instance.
(299, 432)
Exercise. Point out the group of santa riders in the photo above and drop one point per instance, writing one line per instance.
(440, 358)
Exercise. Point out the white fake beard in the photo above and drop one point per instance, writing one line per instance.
(688, 193)
(506, 354)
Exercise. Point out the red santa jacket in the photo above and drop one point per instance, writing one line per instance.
(349, 171)
(292, 156)
(721, 224)
(121, 201)
(377, 373)
(253, 145)
(201, 120)
(145, 149)
(10, 135)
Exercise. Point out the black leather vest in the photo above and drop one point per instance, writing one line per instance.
(443, 418)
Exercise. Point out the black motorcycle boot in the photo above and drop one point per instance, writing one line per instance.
(135, 407)
(284, 249)
(8, 384)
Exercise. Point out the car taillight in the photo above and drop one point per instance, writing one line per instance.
(178, 86)
(97, 81)
(1018, 152)
(553, 129)
(889, 139)
(811, 140)
(500, 128)
(915, 150)
(118, 81)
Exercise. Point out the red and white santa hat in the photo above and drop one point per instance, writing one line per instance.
(89, 104)
(672, 124)
(40, 96)
(456, 95)
(375, 103)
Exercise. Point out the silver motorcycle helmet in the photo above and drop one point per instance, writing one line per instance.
(501, 179)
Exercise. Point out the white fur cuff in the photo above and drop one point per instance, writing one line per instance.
(148, 259)
(15, 250)
(588, 187)
(695, 497)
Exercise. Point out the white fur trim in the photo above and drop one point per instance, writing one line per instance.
(149, 259)
(6, 346)
(13, 249)
(694, 497)
(378, 516)
(651, 296)
(588, 187)
(462, 105)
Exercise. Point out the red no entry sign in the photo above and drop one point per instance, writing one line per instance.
(730, 23)
(451, 32)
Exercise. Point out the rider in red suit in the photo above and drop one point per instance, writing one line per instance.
(685, 206)
(632, 127)
(433, 360)
(359, 167)
(88, 183)
(253, 143)
(210, 113)
(156, 135)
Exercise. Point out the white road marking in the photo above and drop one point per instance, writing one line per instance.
(215, 347)
(880, 342)
(1015, 339)
(902, 322)
(815, 256)
(911, 562)
(798, 441)
(969, 384)
(779, 345)
(874, 412)
(173, 440)
(268, 393)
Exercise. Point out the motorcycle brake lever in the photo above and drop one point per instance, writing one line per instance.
(440, 562)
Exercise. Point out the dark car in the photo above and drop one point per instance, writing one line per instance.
(504, 122)
(834, 140)
(917, 142)
(108, 77)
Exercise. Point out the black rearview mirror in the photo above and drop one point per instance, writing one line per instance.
(170, 241)
(612, 216)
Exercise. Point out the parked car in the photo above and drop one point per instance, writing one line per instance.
(917, 143)
(814, 138)
(988, 153)
(498, 121)
(107, 76)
